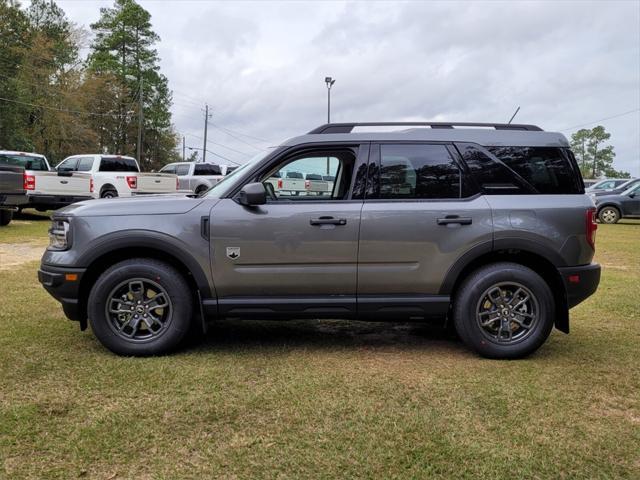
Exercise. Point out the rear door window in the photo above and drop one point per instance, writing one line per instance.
(417, 171)
(118, 164)
(208, 169)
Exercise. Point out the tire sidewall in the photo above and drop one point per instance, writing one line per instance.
(176, 288)
(467, 300)
(614, 209)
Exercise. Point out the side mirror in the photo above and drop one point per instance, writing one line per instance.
(632, 195)
(65, 173)
(253, 194)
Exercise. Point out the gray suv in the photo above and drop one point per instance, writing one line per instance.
(483, 225)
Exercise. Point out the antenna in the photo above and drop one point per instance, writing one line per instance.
(514, 115)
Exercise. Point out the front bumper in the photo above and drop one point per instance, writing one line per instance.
(580, 282)
(63, 284)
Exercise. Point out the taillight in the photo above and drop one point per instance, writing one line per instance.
(29, 182)
(177, 183)
(307, 184)
(91, 185)
(280, 184)
(592, 226)
(132, 182)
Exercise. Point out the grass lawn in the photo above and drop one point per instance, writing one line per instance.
(321, 399)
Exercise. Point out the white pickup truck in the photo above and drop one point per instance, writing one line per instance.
(295, 184)
(117, 176)
(43, 187)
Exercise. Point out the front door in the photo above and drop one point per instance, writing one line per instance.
(298, 252)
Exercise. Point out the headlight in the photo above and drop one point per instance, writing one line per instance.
(59, 235)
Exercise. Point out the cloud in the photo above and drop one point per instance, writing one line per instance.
(261, 65)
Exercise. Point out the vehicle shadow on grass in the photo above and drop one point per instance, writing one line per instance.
(321, 334)
(32, 215)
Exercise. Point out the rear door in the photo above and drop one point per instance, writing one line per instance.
(296, 252)
(418, 218)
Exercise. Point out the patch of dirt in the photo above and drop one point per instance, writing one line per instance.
(16, 254)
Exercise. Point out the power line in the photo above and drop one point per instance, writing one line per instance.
(237, 138)
(601, 120)
(220, 145)
(227, 130)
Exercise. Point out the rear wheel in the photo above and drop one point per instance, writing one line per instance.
(109, 194)
(609, 215)
(5, 217)
(201, 189)
(504, 310)
(140, 307)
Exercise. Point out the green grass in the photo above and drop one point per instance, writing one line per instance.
(323, 399)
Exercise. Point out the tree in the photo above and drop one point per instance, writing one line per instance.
(123, 49)
(594, 157)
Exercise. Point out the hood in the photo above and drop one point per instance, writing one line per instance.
(142, 205)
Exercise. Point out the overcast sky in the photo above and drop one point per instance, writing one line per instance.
(261, 65)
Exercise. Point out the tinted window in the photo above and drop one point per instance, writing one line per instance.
(207, 169)
(313, 176)
(294, 175)
(118, 164)
(547, 169)
(25, 161)
(85, 164)
(418, 171)
(490, 175)
(182, 170)
(168, 169)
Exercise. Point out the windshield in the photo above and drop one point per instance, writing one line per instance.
(635, 188)
(28, 162)
(228, 182)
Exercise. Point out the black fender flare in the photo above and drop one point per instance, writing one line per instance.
(137, 239)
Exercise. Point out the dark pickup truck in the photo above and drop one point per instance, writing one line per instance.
(12, 192)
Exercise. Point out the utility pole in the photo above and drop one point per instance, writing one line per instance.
(329, 81)
(140, 123)
(183, 149)
(206, 124)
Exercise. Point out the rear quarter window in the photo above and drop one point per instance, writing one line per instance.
(549, 170)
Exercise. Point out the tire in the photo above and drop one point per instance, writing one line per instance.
(109, 193)
(200, 189)
(5, 217)
(129, 283)
(507, 336)
(609, 214)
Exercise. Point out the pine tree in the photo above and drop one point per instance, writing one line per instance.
(124, 50)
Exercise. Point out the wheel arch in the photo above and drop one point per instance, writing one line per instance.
(107, 186)
(534, 257)
(119, 248)
(617, 206)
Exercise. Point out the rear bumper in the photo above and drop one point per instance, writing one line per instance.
(52, 202)
(55, 281)
(580, 282)
(11, 200)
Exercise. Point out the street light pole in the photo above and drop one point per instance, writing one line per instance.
(329, 81)
(140, 124)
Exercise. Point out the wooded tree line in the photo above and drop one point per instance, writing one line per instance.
(54, 102)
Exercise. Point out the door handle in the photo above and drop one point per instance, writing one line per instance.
(328, 221)
(453, 220)
(64, 182)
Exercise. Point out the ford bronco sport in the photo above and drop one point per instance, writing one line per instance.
(483, 225)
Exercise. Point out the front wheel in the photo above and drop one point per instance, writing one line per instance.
(609, 215)
(140, 307)
(504, 310)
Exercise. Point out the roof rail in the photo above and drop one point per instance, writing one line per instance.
(348, 127)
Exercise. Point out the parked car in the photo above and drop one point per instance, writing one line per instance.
(485, 227)
(195, 177)
(589, 183)
(613, 207)
(606, 184)
(617, 190)
(117, 176)
(12, 192)
(44, 188)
